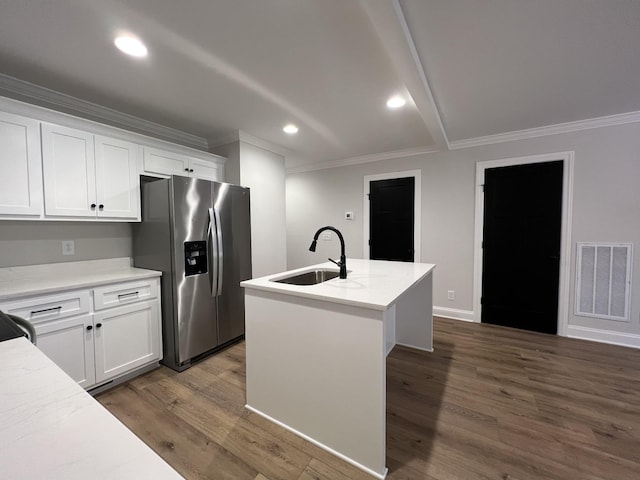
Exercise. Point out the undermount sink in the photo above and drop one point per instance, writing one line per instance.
(312, 277)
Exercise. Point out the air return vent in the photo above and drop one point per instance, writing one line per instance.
(603, 280)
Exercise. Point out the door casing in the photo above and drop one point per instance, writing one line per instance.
(565, 240)
(417, 210)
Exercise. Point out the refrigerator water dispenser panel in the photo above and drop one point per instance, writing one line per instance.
(195, 258)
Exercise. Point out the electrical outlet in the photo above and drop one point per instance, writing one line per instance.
(68, 247)
(326, 236)
(451, 295)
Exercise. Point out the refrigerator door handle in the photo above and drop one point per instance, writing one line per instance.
(220, 255)
(213, 263)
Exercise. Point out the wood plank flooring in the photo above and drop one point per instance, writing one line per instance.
(489, 403)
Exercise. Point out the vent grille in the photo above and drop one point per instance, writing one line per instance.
(603, 280)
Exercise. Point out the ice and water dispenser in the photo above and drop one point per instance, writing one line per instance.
(195, 258)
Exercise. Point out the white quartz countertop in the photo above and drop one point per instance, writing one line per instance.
(374, 284)
(50, 428)
(16, 282)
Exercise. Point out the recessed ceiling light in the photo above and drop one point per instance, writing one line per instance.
(290, 129)
(396, 102)
(131, 46)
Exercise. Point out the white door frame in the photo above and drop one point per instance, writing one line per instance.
(417, 209)
(565, 239)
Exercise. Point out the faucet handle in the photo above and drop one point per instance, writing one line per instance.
(339, 264)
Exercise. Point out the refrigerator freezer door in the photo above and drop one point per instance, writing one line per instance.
(231, 205)
(195, 309)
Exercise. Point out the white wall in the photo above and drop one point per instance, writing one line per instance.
(30, 243)
(263, 172)
(606, 208)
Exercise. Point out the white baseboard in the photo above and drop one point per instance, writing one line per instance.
(453, 313)
(604, 336)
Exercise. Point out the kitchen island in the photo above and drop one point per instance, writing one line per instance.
(316, 354)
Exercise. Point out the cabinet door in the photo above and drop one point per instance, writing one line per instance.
(205, 169)
(20, 166)
(69, 343)
(164, 163)
(69, 172)
(117, 181)
(126, 338)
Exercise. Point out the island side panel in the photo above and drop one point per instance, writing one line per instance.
(319, 368)
(414, 316)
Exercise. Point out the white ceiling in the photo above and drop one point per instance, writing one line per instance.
(216, 67)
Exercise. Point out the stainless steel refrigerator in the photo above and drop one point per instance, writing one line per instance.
(198, 234)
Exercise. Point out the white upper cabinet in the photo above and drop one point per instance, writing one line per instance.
(69, 172)
(87, 176)
(56, 167)
(165, 163)
(205, 169)
(161, 162)
(20, 166)
(117, 181)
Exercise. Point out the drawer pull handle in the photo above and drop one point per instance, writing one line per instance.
(89, 327)
(98, 325)
(35, 312)
(124, 295)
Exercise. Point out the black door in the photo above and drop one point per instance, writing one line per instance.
(521, 246)
(391, 219)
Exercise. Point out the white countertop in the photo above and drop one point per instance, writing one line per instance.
(50, 428)
(16, 282)
(374, 284)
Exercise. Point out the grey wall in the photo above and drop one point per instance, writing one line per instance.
(30, 243)
(263, 172)
(232, 166)
(606, 207)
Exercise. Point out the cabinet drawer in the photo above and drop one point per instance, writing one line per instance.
(49, 307)
(124, 293)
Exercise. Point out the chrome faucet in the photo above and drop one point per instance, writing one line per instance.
(343, 259)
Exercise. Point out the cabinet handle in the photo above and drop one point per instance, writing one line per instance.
(98, 325)
(123, 295)
(35, 312)
(191, 170)
(186, 169)
(93, 206)
(101, 207)
(89, 327)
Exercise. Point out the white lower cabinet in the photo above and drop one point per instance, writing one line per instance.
(100, 334)
(126, 338)
(69, 343)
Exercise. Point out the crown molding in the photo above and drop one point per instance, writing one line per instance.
(600, 122)
(409, 152)
(44, 97)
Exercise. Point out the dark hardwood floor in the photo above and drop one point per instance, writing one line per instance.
(489, 403)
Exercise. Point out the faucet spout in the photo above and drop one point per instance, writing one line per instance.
(343, 259)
